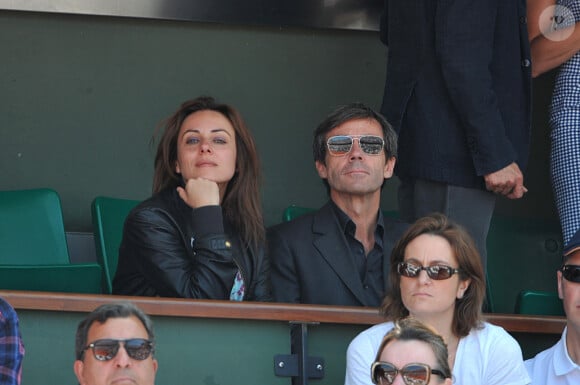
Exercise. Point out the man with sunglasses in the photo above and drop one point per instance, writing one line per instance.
(560, 364)
(339, 254)
(115, 345)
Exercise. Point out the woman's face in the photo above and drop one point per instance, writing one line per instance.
(425, 297)
(206, 148)
(401, 353)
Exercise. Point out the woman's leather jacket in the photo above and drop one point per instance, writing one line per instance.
(172, 250)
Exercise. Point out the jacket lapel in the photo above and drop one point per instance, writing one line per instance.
(330, 242)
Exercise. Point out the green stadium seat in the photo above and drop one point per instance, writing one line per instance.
(33, 250)
(522, 254)
(539, 303)
(108, 216)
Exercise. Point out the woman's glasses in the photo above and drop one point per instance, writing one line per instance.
(436, 272)
(571, 273)
(342, 144)
(384, 373)
(136, 348)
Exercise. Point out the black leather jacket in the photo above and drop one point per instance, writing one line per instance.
(172, 250)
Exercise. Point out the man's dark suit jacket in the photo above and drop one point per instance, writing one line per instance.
(458, 87)
(312, 263)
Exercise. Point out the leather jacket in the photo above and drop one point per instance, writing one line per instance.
(171, 250)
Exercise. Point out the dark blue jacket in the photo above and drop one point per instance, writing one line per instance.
(458, 87)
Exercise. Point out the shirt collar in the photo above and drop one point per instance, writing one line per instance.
(563, 364)
(347, 225)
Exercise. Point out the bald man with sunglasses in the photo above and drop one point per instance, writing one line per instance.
(339, 254)
(115, 345)
(560, 364)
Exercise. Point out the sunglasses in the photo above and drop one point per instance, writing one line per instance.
(342, 144)
(384, 373)
(436, 272)
(571, 273)
(136, 348)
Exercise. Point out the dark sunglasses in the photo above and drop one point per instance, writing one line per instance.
(384, 373)
(342, 144)
(136, 348)
(571, 273)
(436, 272)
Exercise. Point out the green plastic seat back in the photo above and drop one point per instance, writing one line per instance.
(539, 303)
(31, 228)
(33, 249)
(522, 254)
(108, 215)
(293, 212)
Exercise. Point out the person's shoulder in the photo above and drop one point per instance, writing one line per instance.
(492, 336)
(373, 335)
(302, 223)
(161, 208)
(539, 365)
(7, 312)
(489, 330)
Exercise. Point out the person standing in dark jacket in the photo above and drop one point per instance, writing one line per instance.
(201, 234)
(458, 94)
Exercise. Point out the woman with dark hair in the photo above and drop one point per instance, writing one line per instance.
(413, 351)
(436, 276)
(201, 234)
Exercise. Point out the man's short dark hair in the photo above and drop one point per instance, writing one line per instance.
(102, 314)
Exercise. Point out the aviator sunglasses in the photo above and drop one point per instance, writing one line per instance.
(384, 373)
(571, 273)
(136, 348)
(342, 144)
(436, 272)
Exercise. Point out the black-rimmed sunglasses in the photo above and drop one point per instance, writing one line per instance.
(384, 373)
(342, 144)
(106, 349)
(571, 273)
(436, 272)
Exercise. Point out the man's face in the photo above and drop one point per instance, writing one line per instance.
(570, 293)
(356, 173)
(121, 369)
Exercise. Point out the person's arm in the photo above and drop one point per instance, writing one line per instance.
(11, 348)
(263, 286)
(285, 280)
(162, 255)
(465, 32)
(550, 47)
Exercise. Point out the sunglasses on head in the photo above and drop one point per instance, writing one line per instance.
(136, 348)
(342, 144)
(436, 272)
(384, 373)
(571, 273)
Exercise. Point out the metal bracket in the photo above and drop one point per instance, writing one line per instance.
(299, 365)
(286, 365)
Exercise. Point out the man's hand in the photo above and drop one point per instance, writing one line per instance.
(200, 192)
(509, 182)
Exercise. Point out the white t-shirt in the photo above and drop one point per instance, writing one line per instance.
(487, 356)
(554, 366)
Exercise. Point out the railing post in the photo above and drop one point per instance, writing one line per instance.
(298, 364)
